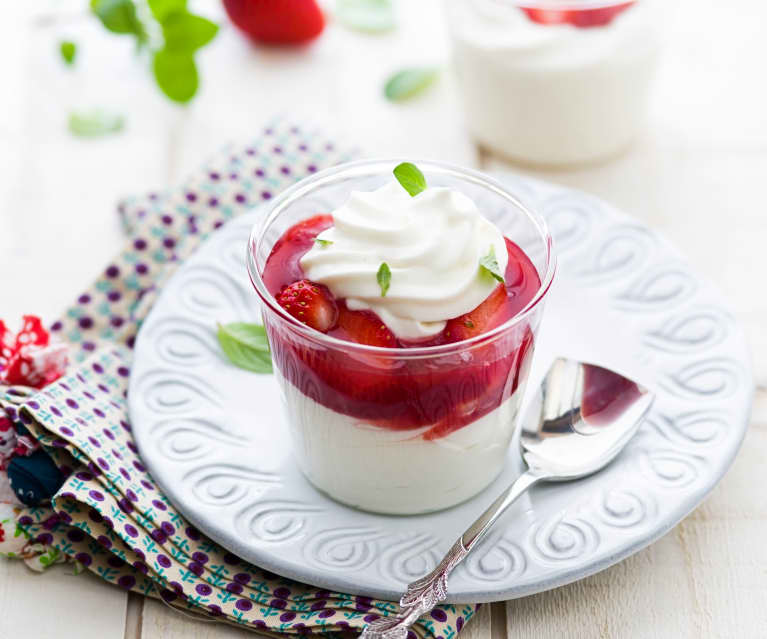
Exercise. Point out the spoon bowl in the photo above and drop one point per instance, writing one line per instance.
(586, 416)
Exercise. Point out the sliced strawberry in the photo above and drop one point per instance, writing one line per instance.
(364, 327)
(489, 314)
(310, 303)
(277, 21)
(583, 18)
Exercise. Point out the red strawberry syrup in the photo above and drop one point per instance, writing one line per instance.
(393, 391)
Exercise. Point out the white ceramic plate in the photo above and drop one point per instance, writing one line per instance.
(214, 438)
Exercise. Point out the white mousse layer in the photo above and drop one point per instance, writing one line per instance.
(396, 472)
(553, 94)
(432, 243)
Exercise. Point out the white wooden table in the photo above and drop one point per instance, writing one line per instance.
(698, 174)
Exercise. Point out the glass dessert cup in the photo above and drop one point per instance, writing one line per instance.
(401, 430)
(554, 82)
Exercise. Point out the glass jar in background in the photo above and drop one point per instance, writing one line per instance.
(554, 82)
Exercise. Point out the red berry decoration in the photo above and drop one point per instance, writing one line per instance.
(277, 21)
(29, 358)
(310, 303)
(583, 18)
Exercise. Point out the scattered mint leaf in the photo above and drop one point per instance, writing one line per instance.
(68, 51)
(370, 16)
(176, 74)
(322, 242)
(489, 264)
(408, 83)
(468, 323)
(383, 277)
(185, 32)
(246, 346)
(161, 9)
(119, 16)
(410, 177)
(95, 123)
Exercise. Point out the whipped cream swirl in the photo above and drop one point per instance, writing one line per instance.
(432, 243)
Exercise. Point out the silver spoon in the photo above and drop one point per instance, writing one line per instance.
(587, 415)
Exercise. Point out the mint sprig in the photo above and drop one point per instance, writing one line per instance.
(119, 16)
(183, 33)
(489, 264)
(410, 177)
(245, 346)
(323, 243)
(383, 277)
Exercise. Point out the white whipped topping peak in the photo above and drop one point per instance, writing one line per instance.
(432, 243)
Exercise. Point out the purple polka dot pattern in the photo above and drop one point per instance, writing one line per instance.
(112, 518)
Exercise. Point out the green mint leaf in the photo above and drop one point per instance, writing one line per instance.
(370, 16)
(245, 346)
(383, 277)
(489, 264)
(185, 33)
(410, 177)
(408, 83)
(119, 16)
(161, 9)
(68, 51)
(95, 123)
(322, 242)
(468, 323)
(176, 74)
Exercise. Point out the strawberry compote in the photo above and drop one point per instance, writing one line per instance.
(405, 394)
(401, 399)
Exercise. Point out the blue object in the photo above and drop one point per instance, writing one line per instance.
(34, 479)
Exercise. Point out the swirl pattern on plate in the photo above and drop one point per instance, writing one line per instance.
(343, 548)
(274, 521)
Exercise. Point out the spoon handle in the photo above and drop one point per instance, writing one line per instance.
(427, 592)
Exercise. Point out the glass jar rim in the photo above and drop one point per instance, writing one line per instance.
(307, 185)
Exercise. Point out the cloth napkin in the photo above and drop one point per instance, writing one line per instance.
(108, 515)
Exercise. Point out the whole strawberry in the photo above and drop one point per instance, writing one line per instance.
(277, 21)
(310, 303)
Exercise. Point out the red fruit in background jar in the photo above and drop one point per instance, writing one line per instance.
(584, 17)
(311, 304)
(277, 21)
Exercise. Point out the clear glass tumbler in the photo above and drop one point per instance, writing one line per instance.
(554, 82)
(401, 431)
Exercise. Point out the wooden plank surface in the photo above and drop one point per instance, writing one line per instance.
(696, 174)
(58, 604)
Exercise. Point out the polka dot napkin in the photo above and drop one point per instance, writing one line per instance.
(109, 516)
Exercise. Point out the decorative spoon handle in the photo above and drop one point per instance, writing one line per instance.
(427, 592)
